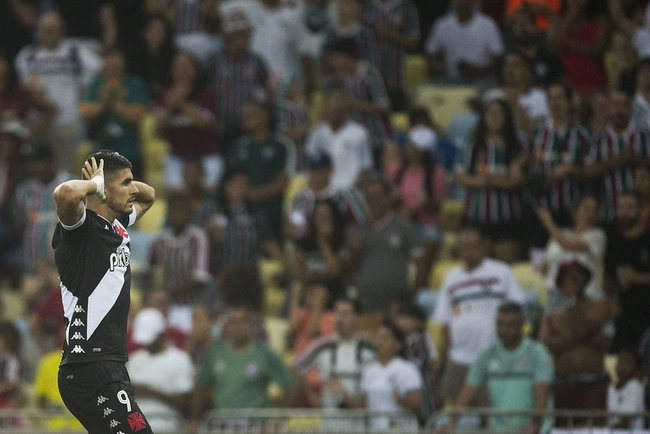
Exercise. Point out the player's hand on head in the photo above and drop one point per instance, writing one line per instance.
(92, 168)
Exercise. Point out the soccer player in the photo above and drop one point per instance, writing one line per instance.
(92, 251)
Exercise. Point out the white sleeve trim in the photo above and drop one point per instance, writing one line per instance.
(76, 225)
(133, 217)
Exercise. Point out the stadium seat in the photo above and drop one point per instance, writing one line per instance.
(296, 183)
(531, 281)
(439, 272)
(445, 101)
(277, 332)
(154, 151)
(400, 121)
(274, 296)
(416, 72)
(316, 106)
(451, 214)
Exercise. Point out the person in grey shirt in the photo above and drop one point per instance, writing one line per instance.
(380, 252)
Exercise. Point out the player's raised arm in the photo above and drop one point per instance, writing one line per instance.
(144, 198)
(68, 196)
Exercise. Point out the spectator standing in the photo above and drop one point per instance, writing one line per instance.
(350, 202)
(240, 369)
(465, 45)
(162, 375)
(390, 383)
(369, 102)
(421, 187)
(151, 58)
(467, 308)
(59, 68)
(397, 28)
(584, 241)
(617, 149)
(419, 349)
(239, 75)
(528, 103)
(626, 394)
(344, 140)
(113, 106)
(517, 372)
(492, 173)
(186, 119)
(293, 117)
(178, 262)
(269, 160)
(559, 148)
(580, 36)
(349, 24)
(33, 207)
(380, 253)
(524, 38)
(627, 271)
(339, 358)
(575, 335)
(26, 113)
(239, 232)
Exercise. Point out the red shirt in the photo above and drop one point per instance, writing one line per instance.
(586, 73)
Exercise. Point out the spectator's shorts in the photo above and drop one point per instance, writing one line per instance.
(101, 396)
(453, 379)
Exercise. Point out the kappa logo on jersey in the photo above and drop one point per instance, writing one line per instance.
(79, 309)
(136, 421)
(108, 411)
(77, 323)
(77, 350)
(113, 423)
(78, 336)
(101, 399)
(121, 258)
(121, 231)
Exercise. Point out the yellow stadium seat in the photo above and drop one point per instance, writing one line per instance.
(416, 72)
(530, 280)
(400, 121)
(296, 183)
(316, 106)
(445, 101)
(274, 295)
(448, 249)
(435, 330)
(439, 272)
(154, 151)
(277, 328)
(451, 214)
(154, 219)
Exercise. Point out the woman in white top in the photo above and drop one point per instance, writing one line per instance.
(585, 242)
(391, 383)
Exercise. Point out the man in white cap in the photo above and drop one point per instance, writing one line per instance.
(162, 375)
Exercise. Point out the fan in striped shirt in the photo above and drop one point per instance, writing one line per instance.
(181, 253)
(348, 24)
(559, 148)
(617, 149)
(370, 103)
(397, 28)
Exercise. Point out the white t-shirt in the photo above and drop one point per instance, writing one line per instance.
(641, 109)
(468, 304)
(534, 103)
(379, 381)
(336, 359)
(169, 372)
(641, 42)
(476, 41)
(62, 72)
(627, 399)
(592, 258)
(348, 148)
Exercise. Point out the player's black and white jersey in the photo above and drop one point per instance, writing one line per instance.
(93, 259)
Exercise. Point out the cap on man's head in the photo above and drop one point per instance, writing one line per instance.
(573, 264)
(319, 160)
(36, 152)
(148, 325)
(423, 138)
(236, 20)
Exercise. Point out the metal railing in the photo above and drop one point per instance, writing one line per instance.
(489, 420)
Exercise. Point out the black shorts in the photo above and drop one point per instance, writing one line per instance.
(100, 395)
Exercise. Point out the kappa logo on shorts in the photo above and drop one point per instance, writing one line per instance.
(77, 323)
(78, 336)
(77, 350)
(79, 309)
(113, 423)
(136, 421)
(101, 400)
(108, 411)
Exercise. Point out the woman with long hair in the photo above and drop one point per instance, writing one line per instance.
(493, 174)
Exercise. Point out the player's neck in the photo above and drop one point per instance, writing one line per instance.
(101, 208)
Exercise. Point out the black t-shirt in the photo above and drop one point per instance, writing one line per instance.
(93, 259)
(634, 253)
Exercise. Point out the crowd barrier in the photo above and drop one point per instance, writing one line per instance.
(343, 421)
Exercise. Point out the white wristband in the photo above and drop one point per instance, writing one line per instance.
(99, 182)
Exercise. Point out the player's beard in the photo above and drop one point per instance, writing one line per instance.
(120, 207)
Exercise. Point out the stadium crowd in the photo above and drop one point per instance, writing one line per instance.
(317, 227)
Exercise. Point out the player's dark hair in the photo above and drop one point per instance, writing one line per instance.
(113, 161)
(511, 308)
